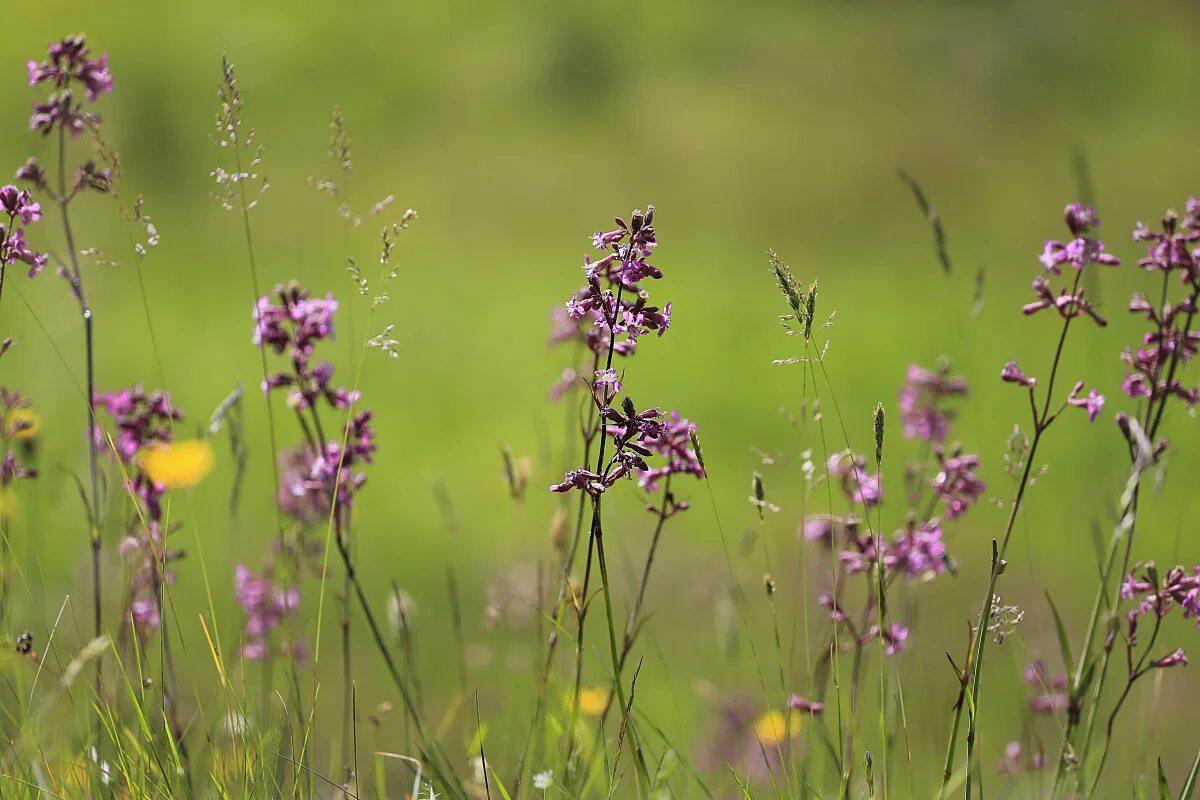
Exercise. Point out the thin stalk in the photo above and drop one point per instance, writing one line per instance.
(1040, 423)
(1151, 423)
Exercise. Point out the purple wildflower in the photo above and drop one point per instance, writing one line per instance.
(68, 64)
(1179, 587)
(1048, 695)
(1081, 250)
(798, 703)
(673, 441)
(265, 605)
(918, 551)
(921, 411)
(857, 484)
(1093, 402)
(1013, 374)
(18, 205)
(1169, 250)
(893, 638)
(1175, 659)
(141, 419)
(956, 482)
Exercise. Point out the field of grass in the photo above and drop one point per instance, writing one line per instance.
(516, 131)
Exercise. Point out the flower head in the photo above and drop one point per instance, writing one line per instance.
(1081, 250)
(67, 67)
(177, 465)
(921, 402)
(956, 482)
(265, 605)
(1093, 402)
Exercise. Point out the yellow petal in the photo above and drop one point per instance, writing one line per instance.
(8, 503)
(24, 423)
(592, 701)
(177, 465)
(772, 727)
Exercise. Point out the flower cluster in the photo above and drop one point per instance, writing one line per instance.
(1152, 367)
(956, 484)
(922, 414)
(1157, 594)
(143, 421)
(292, 325)
(18, 205)
(609, 314)
(266, 605)
(1069, 302)
(674, 441)
(68, 65)
(850, 473)
(1079, 252)
(619, 312)
(1047, 695)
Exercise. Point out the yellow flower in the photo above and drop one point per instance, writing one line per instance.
(8, 503)
(772, 727)
(177, 465)
(24, 423)
(592, 701)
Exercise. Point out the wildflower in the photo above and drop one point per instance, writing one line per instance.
(24, 423)
(142, 419)
(798, 703)
(918, 551)
(1160, 594)
(1094, 402)
(1167, 341)
(145, 616)
(593, 701)
(611, 312)
(1013, 374)
(1081, 250)
(857, 484)
(68, 64)
(956, 482)
(921, 412)
(1067, 305)
(8, 503)
(543, 780)
(894, 637)
(177, 465)
(18, 205)
(1169, 250)
(606, 386)
(1175, 659)
(772, 728)
(265, 606)
(672, 440)
(1048, 695)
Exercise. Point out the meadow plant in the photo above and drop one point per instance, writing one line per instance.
(878, 528)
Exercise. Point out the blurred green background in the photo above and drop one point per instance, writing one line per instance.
(518, 129)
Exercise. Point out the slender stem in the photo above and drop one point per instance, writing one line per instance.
(1151, 423)
(1040, 423)
(564, 585)
(432, 751)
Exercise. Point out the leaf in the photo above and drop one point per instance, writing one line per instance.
(1164, 791)
(1190, 784)
(931, 214)
(1064, 643)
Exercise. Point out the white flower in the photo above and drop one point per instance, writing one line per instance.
(543, 780)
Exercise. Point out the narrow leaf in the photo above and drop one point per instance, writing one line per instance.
(1064, 643)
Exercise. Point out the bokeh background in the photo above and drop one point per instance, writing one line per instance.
(518, 129)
